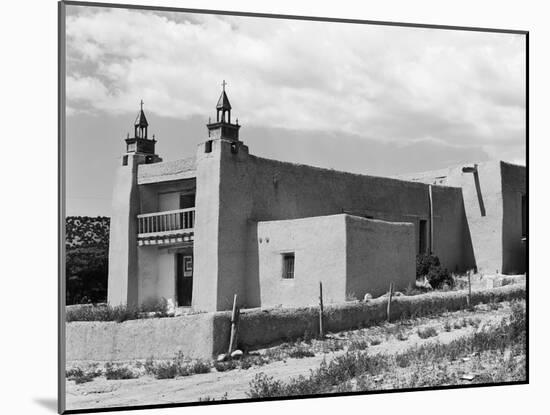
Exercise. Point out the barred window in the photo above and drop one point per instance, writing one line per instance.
(288, 266)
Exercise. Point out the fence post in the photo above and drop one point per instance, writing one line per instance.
(389, 301)
(321, 331)
(234, 316)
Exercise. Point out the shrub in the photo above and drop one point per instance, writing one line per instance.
(428, 265)
(402, 336)
(80, 375)
(299, 352)
(358, 344)
(424, 333)
(447, 326)
(474, 322)
(331, 345)
(104, 312)
(226, 365)
(252, 360)
(375, 341)
(402, 360)
(210, 399)
(493, 305)
(263, 386)
(119, 372)
(178, 366)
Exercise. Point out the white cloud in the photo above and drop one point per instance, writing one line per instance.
(386, 83)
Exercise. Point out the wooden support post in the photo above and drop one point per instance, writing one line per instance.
(321, 330)
(234, 318)
(389, 301)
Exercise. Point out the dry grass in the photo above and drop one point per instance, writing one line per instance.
(500, 357)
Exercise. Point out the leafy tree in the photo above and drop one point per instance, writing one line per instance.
(87, 254)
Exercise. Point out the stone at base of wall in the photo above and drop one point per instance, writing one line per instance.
(206, 335)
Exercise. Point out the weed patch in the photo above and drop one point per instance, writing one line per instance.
(178, 366)
(427, 332)
(79, 375)
(114, 371)
(431, 363)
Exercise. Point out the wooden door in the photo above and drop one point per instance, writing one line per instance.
(184, 274)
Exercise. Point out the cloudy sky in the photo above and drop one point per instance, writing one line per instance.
(362, 98)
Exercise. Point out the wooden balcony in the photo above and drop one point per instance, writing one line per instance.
(169, 227)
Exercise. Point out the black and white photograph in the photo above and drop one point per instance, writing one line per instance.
(258, 207)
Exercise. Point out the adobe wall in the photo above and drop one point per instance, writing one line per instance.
(122, 286)
(496, 237)
(157, 272)
(378, 253)
(160, 338)
(254, 189)
(206, 335)
(207, 267)
(514, 185)
(319, 246)
(259, 328)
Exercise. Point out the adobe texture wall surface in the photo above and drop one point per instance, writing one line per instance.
(319, 248)
(205, 335)
(493, 204)
(123, 283)
(378, 253)
(253, 189)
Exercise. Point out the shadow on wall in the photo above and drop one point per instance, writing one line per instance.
(514, 218)
(253, 294)
(469, 259)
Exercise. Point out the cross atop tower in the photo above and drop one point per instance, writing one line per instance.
(140, 144)
(223, 126)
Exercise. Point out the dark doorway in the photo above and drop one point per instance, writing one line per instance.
(184, 279)
(422, 236)
(187, 201)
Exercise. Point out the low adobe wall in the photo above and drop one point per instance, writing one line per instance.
(205, 335)
(259, 328)
(161, 338)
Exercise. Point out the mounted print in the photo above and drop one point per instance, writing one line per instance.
(259, 206)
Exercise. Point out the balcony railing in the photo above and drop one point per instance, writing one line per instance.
(171, 222)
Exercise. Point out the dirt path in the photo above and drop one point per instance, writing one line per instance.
(147, 390)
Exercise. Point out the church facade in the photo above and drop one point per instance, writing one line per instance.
(224, 222)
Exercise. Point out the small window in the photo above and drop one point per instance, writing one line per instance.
(234, 148)
(208, 146)
(124, 160)
(288, 266)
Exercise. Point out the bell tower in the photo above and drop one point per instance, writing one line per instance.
(140, 144)
(223, 128)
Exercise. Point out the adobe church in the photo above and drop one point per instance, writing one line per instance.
(224, 222)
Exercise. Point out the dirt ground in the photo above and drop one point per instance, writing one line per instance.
(147, 390)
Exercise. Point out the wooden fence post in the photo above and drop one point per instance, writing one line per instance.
(234, 317)
(321, 332)
(389, 301)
